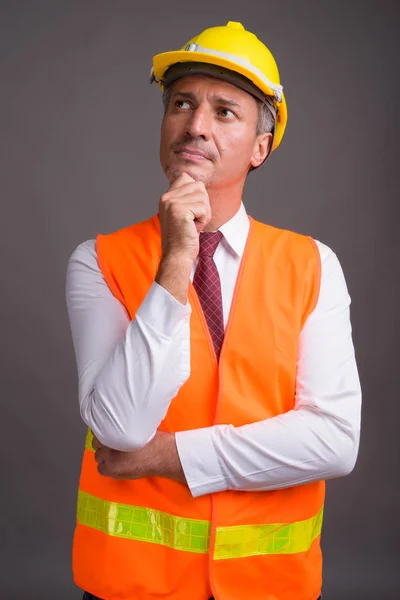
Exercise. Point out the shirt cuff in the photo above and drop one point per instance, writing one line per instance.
(161, 311)
(199, 461)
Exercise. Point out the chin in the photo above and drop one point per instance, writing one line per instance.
(173, 172)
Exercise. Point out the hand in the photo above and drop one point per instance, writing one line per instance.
(184, 211)
(119, 465)
(158, 458)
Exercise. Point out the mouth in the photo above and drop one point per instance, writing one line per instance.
(189, 154)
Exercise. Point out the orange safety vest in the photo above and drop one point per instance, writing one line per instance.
(150, 539)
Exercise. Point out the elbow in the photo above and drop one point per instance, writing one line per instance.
(110, 431)
(121, 440)
(125, 442)
(346, 459)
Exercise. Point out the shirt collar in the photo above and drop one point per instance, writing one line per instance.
(235, 231)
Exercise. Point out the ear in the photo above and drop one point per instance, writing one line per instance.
(261, 149)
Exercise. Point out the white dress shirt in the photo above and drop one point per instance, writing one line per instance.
(130, 370)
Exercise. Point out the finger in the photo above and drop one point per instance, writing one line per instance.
(103, 469)
(96, 445)
(100, 456)
(185, 189)
(181, 180)
(201, 221)
(201, 211)
(195, 206)
(109, 468)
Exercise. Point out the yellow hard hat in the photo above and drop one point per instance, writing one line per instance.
(239, 51)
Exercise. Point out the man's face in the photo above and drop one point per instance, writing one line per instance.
(209, 132)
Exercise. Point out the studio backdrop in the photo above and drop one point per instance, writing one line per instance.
(79, 156)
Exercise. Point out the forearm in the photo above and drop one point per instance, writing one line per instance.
(291, 449)
(132, 392)
(262, 456)
(159, 458)
(316, 440)
(174, 275)
(163, 459)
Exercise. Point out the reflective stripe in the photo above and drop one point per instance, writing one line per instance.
(275, 87)
(89, 439)
(193, 535)
(143, 524)
(274, 538)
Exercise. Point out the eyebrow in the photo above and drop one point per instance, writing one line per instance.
(226, 102)
(216, 99)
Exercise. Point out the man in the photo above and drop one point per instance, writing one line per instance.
(216, 367)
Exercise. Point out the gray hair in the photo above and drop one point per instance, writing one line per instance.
(265, 121)
(166, 97)
(266, 118)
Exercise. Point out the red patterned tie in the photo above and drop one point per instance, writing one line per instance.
(207, 284)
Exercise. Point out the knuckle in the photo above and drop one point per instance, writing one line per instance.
(175, 209)
(115, 470)
(102, 469)
(201, 186)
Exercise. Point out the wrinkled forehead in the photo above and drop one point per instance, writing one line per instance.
(200, 85)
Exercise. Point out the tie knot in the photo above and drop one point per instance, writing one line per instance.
(209, 241)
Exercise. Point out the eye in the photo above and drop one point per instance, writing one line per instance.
(182, 104)
(226, 113)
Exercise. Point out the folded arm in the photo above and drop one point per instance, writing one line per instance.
(129, 371)
(316, 440)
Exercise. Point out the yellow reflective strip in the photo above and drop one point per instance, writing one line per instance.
(193, 535)
(143, 524)
(89, 439)
(275, 538)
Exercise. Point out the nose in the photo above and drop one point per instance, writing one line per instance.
(200, 123)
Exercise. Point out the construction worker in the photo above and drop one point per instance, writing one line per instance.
(216, 366)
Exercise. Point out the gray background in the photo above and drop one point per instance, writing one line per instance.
(79, 155)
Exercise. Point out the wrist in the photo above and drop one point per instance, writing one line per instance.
(166, 461)
(175, 262)
(173, 275)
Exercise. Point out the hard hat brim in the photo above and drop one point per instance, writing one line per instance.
(161, 62)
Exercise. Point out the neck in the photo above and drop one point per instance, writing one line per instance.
(225, 202)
